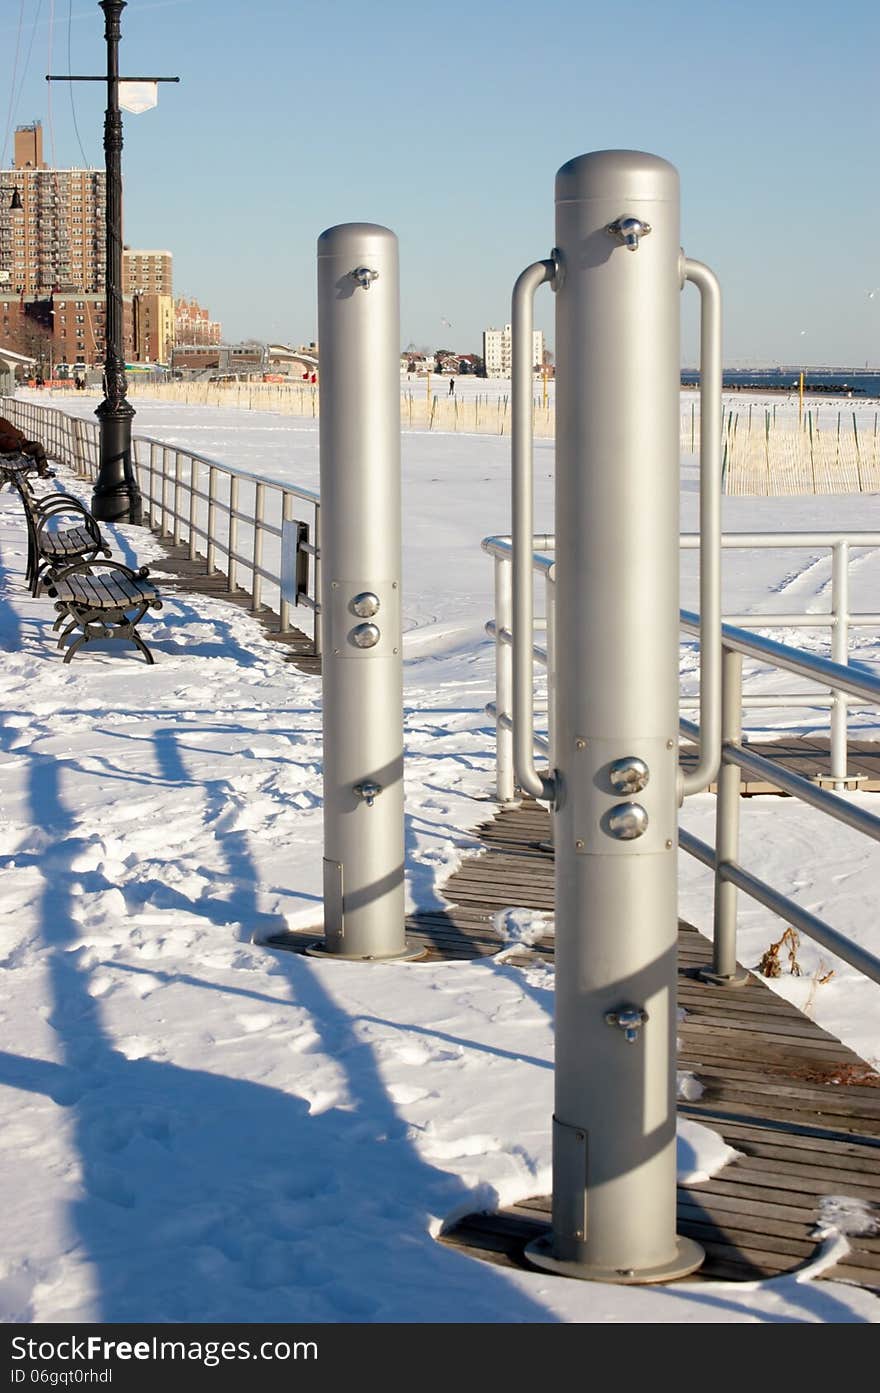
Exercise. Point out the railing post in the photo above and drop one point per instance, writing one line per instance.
(284, 606)
(550, 612)
(839, 654)
(193, 505)
(177, 519)
(506, 784)
(618, 280)
(232, 572)
(318, 631)
(256, 578)
(212, 508)
(151, 486)
(163, 529)
(727, 806)
(362, 672)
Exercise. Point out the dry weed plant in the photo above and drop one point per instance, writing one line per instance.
(770, 966)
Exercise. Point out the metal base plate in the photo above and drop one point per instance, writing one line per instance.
(408, 954)
(688, 1257)
(715, 979)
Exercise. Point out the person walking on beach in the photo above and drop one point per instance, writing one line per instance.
(452, 386)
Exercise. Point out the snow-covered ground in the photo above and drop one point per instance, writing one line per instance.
(197, 1128)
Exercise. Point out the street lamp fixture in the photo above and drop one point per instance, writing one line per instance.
(116, 496)
(15, 203)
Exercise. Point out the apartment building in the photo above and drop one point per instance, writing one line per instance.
(152, 326)
(64, 329)
(496, 351)
(147, 272)
(193, 326)
(52, 224)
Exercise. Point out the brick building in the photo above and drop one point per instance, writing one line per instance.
(192, 325)
(65, 330)
(147, 272)
(56, 240)
(152, 318)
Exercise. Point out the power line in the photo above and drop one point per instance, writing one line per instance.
(12, 84)
(69, 69)
(49, 119)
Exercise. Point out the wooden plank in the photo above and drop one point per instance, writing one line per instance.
(708, 1045)
(787, 1097)
(742, 1215)
(773, 1173)
(864, 758)
(740, 1003)
(771, 1024)
(806, 1042)
(792, 1078)
(798, 1150)
(795, 1130)
(755, 1194)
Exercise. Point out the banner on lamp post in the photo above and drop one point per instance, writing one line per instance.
(138, 96)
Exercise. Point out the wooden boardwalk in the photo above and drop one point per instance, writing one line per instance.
(179, 573)
(802, 1110)
(809, 756)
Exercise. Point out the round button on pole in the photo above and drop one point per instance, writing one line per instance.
(365, 635)
(365, 605)
(626, 821)
(629, 774)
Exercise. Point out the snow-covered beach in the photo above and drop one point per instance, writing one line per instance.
(198, 1128)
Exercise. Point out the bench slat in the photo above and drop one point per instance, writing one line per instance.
(106, 590)
(62, 543)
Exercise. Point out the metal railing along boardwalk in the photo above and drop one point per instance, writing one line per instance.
(847, 685)
(218, 512)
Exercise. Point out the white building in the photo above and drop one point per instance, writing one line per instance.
(496, 351)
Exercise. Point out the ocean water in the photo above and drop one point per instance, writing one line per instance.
(844, 382)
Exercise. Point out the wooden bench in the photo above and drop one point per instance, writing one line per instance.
(104, 600)
(61, 531)
(17, 465)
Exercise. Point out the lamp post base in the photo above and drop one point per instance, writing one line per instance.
(409, 953)
(116, 496)
(116, 503)
(688, 1257)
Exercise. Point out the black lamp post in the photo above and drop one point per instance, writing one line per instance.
(116, 496)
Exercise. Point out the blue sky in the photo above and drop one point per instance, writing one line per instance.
(447, 123)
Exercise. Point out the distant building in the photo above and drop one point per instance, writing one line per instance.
(56, 240)
(64, 329)
(496, 351)
(196, 358)
(226, 360)
(295, 363)
(146, 272)
(152, 327)
(192, 325)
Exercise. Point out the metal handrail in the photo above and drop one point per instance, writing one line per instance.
(848, 683)
(722, 859)
(694, 780)
(309, 495)
(178, 506)
(797, 660)
(810, 924)
(839, 620)
(522, 472)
